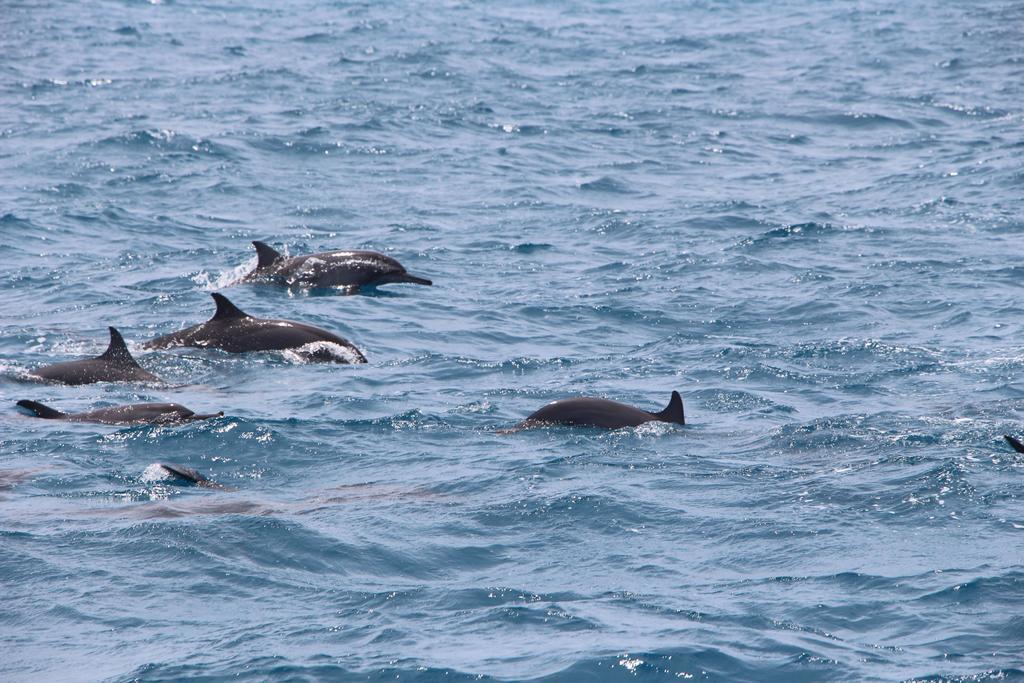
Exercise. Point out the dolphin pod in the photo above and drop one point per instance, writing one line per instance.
(139, 413)
(600, 413)
(230, 329)
(349, 269)
(113, 365)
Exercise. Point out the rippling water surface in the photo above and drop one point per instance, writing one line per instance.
(806, 217)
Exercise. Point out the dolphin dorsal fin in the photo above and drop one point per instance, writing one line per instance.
(40, 410)
(674, 411)
(226, 310)
(117, 351)
(266, 254)
(1016, 445)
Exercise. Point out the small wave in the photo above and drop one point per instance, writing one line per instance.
(810, 231)
(522, 616)
(936, 487)
(728, 221)
(825, 434)
(520, 128)
(724, 400)
(863, 120)
(304, 147)
(318, 37)
(215, 282)
(685, 42)
(587, 509)
(605, 184)
(978, 591)
(517, 366)
(57, 84)
(408, 420)
(168, 141)
(334, 213)
(681, 664)
(1002, 675)
(531, 247)
(10, 220)
(799, 230)
(469, 598)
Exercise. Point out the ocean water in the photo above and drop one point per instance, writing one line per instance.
(804, 216)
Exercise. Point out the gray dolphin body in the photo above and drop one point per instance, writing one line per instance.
(351, 269)
(236, 332)
(602, 413)
(114, 365)
(139, 413)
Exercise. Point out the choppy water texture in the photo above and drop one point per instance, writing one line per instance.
(806, 217)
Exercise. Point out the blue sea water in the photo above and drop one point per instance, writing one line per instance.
(805, 216)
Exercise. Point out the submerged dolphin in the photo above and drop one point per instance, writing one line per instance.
(1014, 444)
(600, 412)
(139, 413)
(352, 269)
(114, 365)
(191, 475)
(236, 332)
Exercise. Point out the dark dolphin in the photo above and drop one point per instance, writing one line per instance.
(600, 412)
(191, 475)
(351, 269)
(114, 365)
(236, 332)
(139, 413)
(1014, 444)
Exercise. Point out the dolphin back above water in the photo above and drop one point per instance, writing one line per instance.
(232, 330)
(113, 365)
(602, 413)
(350, 269)
(139, 413)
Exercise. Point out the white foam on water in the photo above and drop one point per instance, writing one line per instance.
(155, 472)
(654, 428)
(209, 282)
(308, 353)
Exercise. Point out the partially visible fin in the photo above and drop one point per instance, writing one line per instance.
(266, 254)
(117, 351)
(1017, 445)
(40, 410)
(225, 309)
(674, 411)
